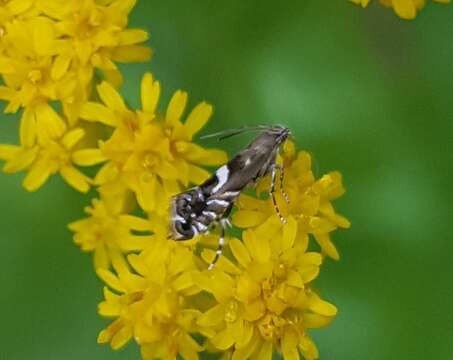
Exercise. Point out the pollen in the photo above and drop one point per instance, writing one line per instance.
(231, 311)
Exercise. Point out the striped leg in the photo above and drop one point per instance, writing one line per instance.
(282, 190)
(272, 193)
(223, 224)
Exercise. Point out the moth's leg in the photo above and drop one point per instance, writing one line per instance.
(223, 224)
(282, 176)
(272, 193)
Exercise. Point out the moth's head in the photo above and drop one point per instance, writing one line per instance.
(279, 132)
(180, 222)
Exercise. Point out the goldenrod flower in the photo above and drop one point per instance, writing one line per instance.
(54, 153)
(94, 35)
(148, 153)
(14, 9)
(108, 231)
(264, 301)
(405, 9)
(309, 204)
(152, 303)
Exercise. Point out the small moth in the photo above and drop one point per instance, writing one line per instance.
(195, 210)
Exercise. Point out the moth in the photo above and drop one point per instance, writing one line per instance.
(194, 211)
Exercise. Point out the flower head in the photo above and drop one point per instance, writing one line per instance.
(151, 303)
(94, 35)
(55, 153)
(264, 300)
(149, 153)
(109, 231)
(308, 207)
(405, 9)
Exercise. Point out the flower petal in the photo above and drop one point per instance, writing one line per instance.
(37, 176)
(88, 157)
(258, 248)
(240, 252)
(75, 178)
(132, 36)
(131, 53)
(150, 92)
(176, 108)
(71, 138)
(92, 111)
(198, 117)
(111, 97)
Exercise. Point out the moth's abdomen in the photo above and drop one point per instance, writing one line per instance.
(193, 211)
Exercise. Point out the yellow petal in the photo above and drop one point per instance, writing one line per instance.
(176, 107)
(21, 160)
(107, 173)
(43, 36)
(60, 66)
(240, 252)
(405, 9)
(132, 36)
(75, 178)
(319, 306)
(131, 53)
(110, 279)
(134, 222)
(97, 112)
(19, 6)
(314, 321)
(198, 117)
(258, 248)
(289, 233)
(111, 97)
(224, 339)
(83, 49)
(150, 92)
(289, 345)
(36, 177)
(197, 175)
(266, 351)
(327, 246)
(6, 65)
(196, 154)
(308, 348)
(212, 317)
(248, 218)
(7, 152)
(88, 157)
(28, 128)
(101, 259)
(121, 338)
(71, 138)
(48, 122)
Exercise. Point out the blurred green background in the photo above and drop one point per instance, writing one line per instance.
(365, 92)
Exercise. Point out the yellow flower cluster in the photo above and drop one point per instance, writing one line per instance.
(259, 299)
(49, 51)
(405, 9)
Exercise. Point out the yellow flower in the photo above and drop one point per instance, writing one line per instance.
(405, 9)
(52, 154)
(148, 153)
(27, 66)
(309, 204)
(108, 231)
(14, 9)
(95, 35)
(264, 301)
(152, 302)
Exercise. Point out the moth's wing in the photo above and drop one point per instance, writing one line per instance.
(244, 168)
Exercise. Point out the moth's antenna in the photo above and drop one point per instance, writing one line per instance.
(225, 134)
